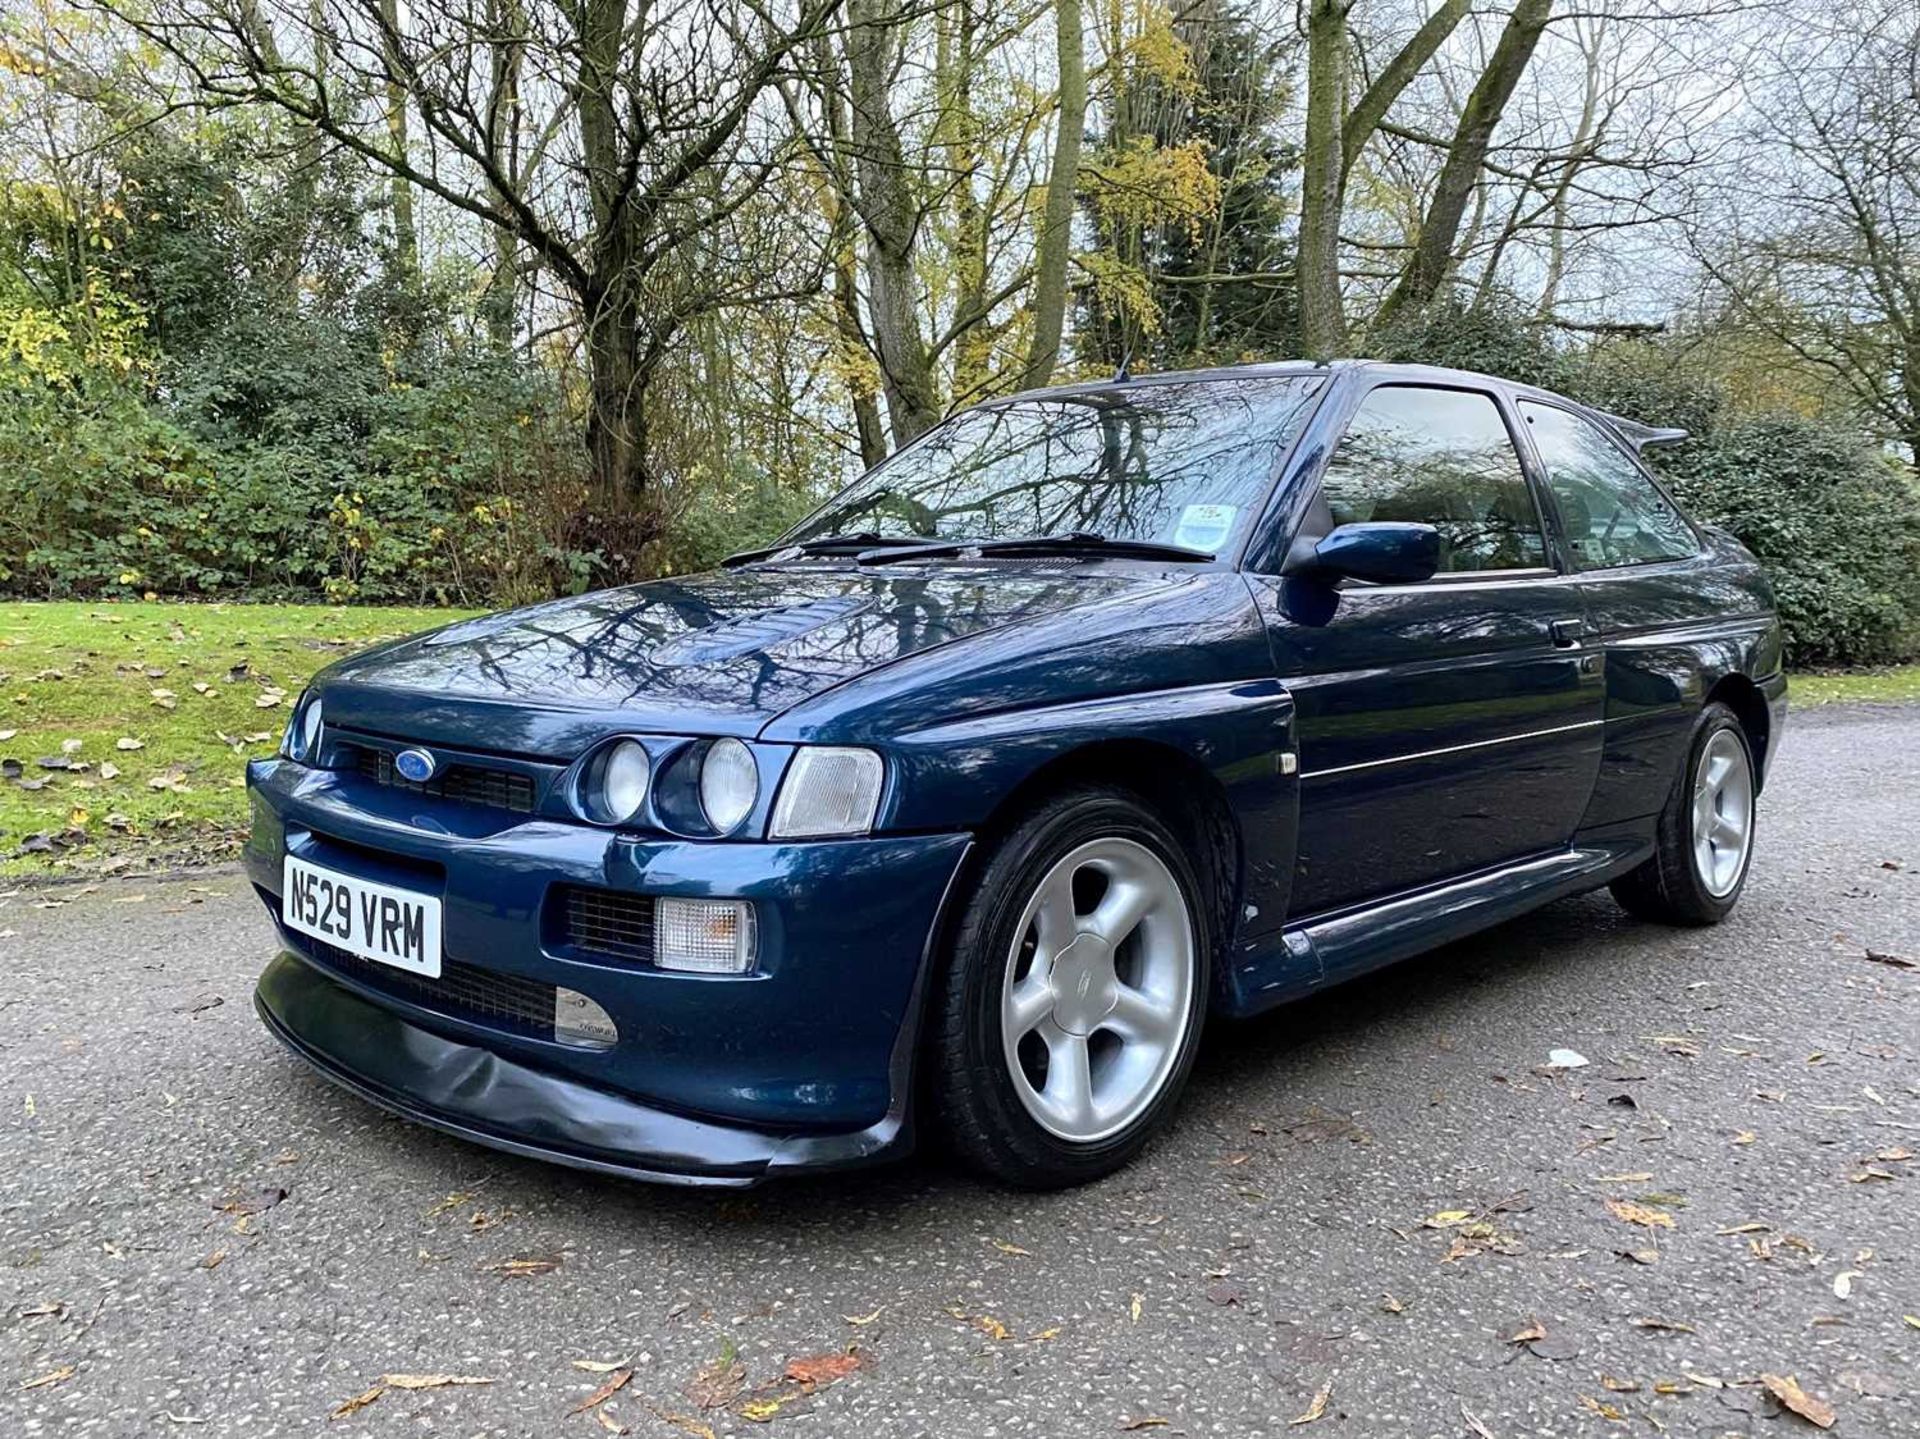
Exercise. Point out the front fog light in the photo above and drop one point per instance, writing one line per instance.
(704, 936)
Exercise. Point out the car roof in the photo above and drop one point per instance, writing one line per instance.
(1635, 434)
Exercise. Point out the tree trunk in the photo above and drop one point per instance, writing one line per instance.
(406, 243)
(507, 21)
(616, 416)
(1055, 247)
(891, 216)
(960, 128)
(616, 423)
(866, 409)
(1432, 257)
(1323, 321)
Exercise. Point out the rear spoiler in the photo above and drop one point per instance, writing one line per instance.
(1641, 438)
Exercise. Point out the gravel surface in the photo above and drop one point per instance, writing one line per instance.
(1364, 1200)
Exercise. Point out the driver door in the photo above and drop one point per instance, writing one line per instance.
(1445, 727)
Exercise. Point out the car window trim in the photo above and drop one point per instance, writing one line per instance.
(1634, 462)
(1497, 396)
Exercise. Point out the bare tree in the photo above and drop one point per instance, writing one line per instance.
(1336, 135)
(1819, 246)
(644, 145)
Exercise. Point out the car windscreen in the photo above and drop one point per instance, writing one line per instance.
(1180, 462)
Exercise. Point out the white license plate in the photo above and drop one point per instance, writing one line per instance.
(400, 927)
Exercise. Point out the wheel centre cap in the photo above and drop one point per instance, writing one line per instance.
(1082, 983)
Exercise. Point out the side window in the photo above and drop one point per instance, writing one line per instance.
(1441, 458)
(1613, 514)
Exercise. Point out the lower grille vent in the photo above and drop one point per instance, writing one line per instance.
(607, 922)
(463, 991)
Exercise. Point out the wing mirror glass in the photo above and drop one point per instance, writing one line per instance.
(1382, 553)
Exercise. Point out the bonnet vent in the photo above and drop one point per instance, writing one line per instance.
(761, 630)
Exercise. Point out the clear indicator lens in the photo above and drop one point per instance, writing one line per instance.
(704, 936)
(729, 784)
(829, 792)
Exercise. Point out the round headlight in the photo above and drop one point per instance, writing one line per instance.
(620, 782)
(729, 784)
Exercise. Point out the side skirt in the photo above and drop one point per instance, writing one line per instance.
(1328, 950)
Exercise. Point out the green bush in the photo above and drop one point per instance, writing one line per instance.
(1836, 524)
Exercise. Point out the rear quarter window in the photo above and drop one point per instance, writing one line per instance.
(1611, 512)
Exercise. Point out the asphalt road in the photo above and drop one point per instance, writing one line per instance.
(1365, 1197)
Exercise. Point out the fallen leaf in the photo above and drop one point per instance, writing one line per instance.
(1127, 1426)
(1602, 1408)
(524, 1268)
(1392, 1305)
(358, 1402)
(716, 1384)
(1843, 1283)
(109, 770)
(862, 1320)
(818, 1369)
(1629, 1212)
(599, 1366)
(249, 1204)
(616, 1381)
(1898, 961)
(1446, 1219)
(213, 1260)
(430, 1381)
(1139, 1302)
(1787, 1390)
(1225, 1291)
(1314, 1410)
(52, 1377)
(1474, 1424)
(1619, 1386)
(129, 743)
(1670, 1326)
(609, 1423)
(1528, 1332)
(1006, 1248)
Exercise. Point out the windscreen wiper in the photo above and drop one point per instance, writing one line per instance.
(1071, 542)
(824, 545)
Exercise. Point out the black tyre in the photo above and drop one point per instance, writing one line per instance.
(1073, 994)
(1705, 838)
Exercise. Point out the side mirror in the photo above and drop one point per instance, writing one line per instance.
(1384, 553)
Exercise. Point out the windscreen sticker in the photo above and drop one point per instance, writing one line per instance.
(1205, 527)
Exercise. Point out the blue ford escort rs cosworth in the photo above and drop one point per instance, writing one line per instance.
(1094, 712)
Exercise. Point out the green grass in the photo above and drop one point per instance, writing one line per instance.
(1899, 684)
(78, 680)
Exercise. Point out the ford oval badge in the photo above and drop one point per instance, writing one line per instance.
(415, 765)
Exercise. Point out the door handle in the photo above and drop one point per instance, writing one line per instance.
(1566, 633)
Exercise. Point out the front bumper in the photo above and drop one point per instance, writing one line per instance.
(803, 1063)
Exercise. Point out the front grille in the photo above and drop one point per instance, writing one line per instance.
(462, 783)
(607, 922)
(479, 996)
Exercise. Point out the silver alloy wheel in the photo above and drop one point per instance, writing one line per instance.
(1722, 813)
(1098, 989)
